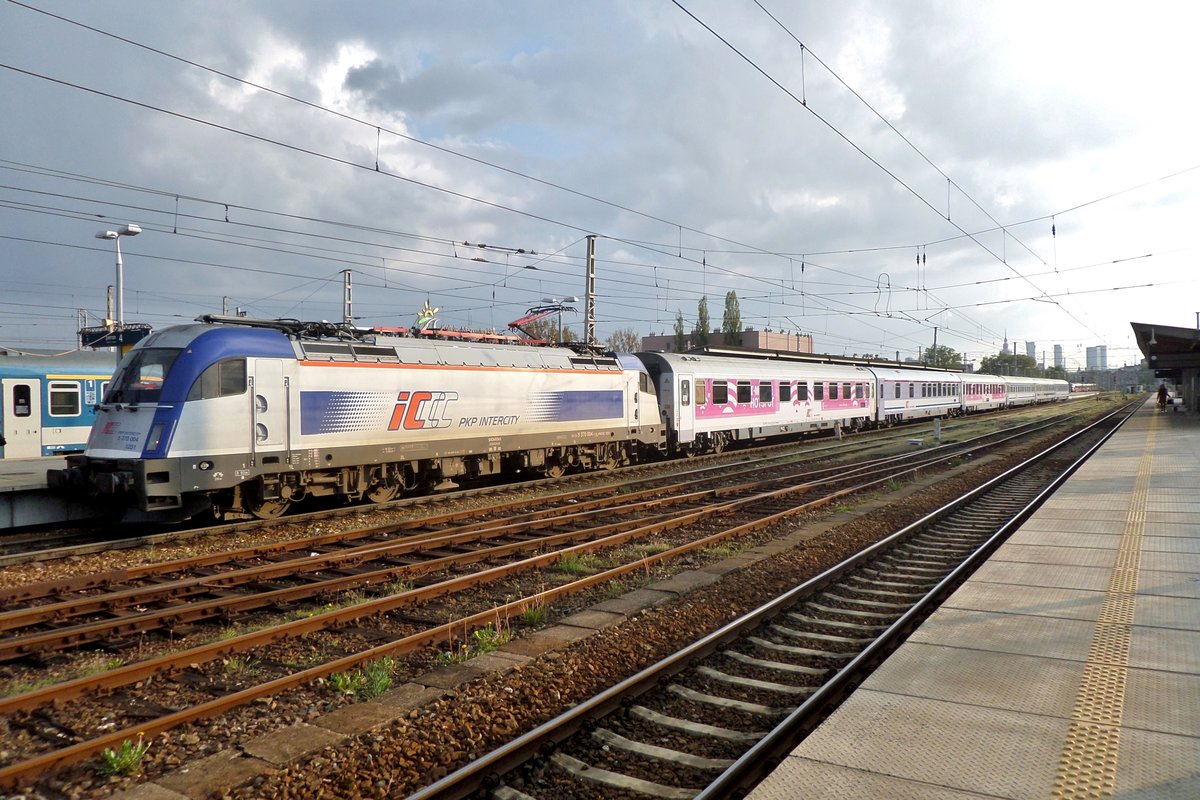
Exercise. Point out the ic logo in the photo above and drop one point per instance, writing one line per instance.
(417, 410)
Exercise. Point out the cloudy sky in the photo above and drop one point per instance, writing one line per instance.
(863, 171)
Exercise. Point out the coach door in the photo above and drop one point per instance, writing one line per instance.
(269, 412)
(685, 392)
(22, 412)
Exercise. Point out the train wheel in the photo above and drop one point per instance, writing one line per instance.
(555, 470)
(267, 509)
(383, 492)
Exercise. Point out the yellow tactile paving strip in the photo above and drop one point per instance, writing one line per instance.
(1087, 767)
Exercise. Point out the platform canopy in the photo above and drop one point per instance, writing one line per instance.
(1174, 354)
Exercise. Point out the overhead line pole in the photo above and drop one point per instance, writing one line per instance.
(589, 296)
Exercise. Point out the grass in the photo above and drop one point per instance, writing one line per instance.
(373, 680)
(535, 614)
(126, 759)
(236, 666)
(482, 640)
(579, 564)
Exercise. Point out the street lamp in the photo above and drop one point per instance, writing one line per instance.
(559, 301)
(127, 230)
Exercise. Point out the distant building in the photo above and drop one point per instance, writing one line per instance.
(781, 341)
(1059, 361)
(1097, 357)
(1031, 350)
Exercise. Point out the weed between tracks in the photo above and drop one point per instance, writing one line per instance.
(126, 759)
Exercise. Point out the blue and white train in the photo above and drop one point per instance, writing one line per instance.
(48, 401)
(245, 417)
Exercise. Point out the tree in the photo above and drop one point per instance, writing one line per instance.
(731, 323)
(942, 356)
(681, 342)
(624, 340)
(700, 334)
(547, 329)
(1009, 364)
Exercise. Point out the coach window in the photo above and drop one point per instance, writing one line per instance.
(720, 393)
(818, 390)
(845, 391)
(802, 390)
(743, 392)
(764, 392)
(833, 391)
(858, 391)
(223, 379)
(701, 394)
(685, 393)
(785, 392)
(64, 399)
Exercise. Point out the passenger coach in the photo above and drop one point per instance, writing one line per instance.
(47, 402)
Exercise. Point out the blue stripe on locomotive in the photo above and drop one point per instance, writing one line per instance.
(576, 406)
(341, 411)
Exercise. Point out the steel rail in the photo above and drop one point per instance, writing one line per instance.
(40, 764)
(486, 770)
(194, 610)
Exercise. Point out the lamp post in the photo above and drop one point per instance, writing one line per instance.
(127, 230)
(559, 301)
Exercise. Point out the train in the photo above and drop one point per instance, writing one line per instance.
(48, 401)
(240, 417)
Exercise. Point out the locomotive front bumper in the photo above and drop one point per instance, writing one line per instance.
(147, 485)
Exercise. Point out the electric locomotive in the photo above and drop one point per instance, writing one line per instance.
(245, 417)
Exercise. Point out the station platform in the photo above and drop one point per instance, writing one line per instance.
(1068, 666)
(24, 500)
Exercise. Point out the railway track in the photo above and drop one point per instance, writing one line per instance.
(29, 546)
(173, 596)
(706, 721)
(526, 532)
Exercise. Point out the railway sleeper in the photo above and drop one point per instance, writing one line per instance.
(775, 666)
(586, 773)
(756, 709)
(697, 729)
(806, 652)
(821, 637)
(753, 683)
(849, 612)
(613, 739)
(818, 622)
(836, 598)
(871, 591)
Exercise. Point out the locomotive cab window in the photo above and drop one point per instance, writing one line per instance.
(140, 380)
(223, 379)
(64, 399)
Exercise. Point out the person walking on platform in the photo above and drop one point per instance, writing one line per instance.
(1162, 397)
